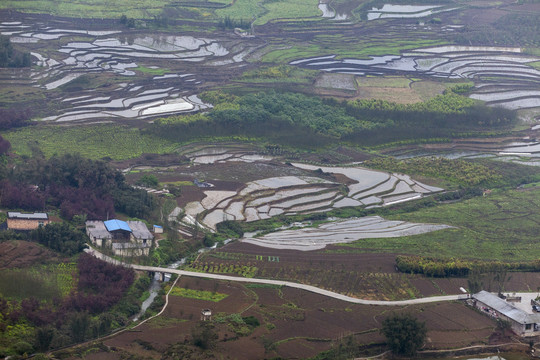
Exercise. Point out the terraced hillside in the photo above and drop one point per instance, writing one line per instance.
(289, 195)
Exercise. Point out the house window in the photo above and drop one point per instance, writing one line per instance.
(528, 326)
(40, 223)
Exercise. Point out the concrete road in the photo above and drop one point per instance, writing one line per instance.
(310, 288)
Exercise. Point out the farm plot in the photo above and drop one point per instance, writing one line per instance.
(369, 227)
(292, 324)
(388, 11)
(503, 76)
(290, 195)
(116, 75)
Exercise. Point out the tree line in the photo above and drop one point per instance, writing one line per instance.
(72, 184)
(299, 120)
(9, 57)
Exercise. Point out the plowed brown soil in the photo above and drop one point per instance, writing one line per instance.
(20, 254)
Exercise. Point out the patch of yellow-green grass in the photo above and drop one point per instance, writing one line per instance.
(359, 49)
(535, 64)
(151, 71)
(92, 141)
(198, 294)
(265, 11)
(90, 8)
(279, 74)
(242, 9)
(289, 9)
(178, 183)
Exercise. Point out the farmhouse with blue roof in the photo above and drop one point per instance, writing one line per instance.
(125, 238)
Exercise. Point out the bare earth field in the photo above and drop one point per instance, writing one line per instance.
(358, 274)
(293, 324)
(20, 254)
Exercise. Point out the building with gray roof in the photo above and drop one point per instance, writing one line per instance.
(26, 221)
(124, 238)
(522, 322)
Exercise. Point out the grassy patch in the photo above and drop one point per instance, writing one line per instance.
(347, 47)
(198, 294)
(265, 11)
(90, 9)
(151, 71)
(279, 74)
(535, 64)
(14, 94)
(500, 226)
(289, 9)
(95, 142)
(42, 282)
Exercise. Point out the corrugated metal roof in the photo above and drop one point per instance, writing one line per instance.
(97, 229)
(505, 308)
(140, 231)
(115, 224)
(31, 216)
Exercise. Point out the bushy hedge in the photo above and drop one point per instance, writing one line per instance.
(434, 267)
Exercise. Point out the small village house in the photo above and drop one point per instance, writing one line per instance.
(521, 322)
(125, 238)
(26, 221)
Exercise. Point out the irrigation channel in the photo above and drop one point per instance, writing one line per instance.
(310, 288)
(155, 284)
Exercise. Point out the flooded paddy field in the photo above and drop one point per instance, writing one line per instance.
(340, 232)
(119, 74)
(234, 182)
(303, 194)
(502, 76)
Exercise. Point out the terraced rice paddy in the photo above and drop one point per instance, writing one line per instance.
(369, 227)
(503, 76)
(130, 57)
(388, 11)
(289, 195)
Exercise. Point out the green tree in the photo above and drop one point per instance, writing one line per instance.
(78, 326)
(60, 237)
(149, 180)
(404, 333)
(204, 335)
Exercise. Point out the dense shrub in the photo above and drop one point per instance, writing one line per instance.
(101, 285)
(457, 267)
(60, 237)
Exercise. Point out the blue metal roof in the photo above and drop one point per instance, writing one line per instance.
(159, 227)
(115, 224)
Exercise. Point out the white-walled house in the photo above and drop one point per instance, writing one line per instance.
(125, 238)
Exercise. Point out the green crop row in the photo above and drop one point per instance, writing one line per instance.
(198, 294)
